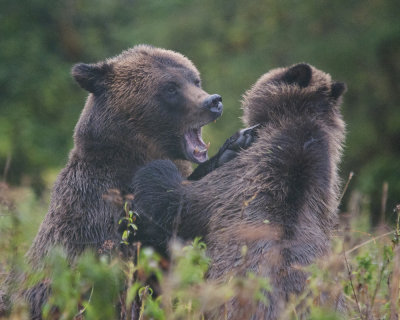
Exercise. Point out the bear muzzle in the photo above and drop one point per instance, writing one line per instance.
(214, 104)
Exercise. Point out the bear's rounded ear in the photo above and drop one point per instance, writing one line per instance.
(337, 89)
(299, 74)
(91, 77)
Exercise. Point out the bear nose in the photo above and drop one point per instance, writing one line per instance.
(214, 103)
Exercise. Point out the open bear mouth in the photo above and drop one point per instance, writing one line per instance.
(196, 149)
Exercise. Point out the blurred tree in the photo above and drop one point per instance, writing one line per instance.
(232, 43)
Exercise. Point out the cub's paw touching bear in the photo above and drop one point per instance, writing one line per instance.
(288, 177)
(239, 141)
(161, 180)
(158, 194)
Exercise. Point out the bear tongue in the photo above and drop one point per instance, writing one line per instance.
(195, 146)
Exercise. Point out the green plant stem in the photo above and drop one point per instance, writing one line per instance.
(351, 174)
(378, 285)
(352, 286)
(368, 241)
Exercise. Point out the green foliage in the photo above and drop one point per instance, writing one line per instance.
(92, 285)
(129, 222)
(191, 263)
(323, 314)
(363, 272)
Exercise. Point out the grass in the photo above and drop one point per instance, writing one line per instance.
(362, 273)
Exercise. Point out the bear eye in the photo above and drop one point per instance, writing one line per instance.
(171, 89)
(197, 83)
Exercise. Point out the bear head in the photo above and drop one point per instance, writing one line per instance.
(297, 90)
(146, 98)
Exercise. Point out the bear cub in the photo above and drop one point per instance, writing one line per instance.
(278, 198)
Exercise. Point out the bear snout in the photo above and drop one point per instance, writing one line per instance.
(214, 103)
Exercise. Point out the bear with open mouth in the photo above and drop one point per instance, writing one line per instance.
(145, 104)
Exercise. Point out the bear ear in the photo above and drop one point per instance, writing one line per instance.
(299, 74)
(91, 77)
(337, 89)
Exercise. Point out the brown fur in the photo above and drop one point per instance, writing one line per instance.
(129, 119)
(279, 197)
(123, 126)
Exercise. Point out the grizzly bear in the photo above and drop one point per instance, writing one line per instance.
(144, 104)
(278, 198)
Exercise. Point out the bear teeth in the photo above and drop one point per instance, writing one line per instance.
(195, 147)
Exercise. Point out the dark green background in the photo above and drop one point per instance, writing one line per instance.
(232, 43)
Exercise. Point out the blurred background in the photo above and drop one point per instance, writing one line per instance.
(232, 42)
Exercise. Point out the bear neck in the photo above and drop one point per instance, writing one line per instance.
(119, 160)
(103, 139)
